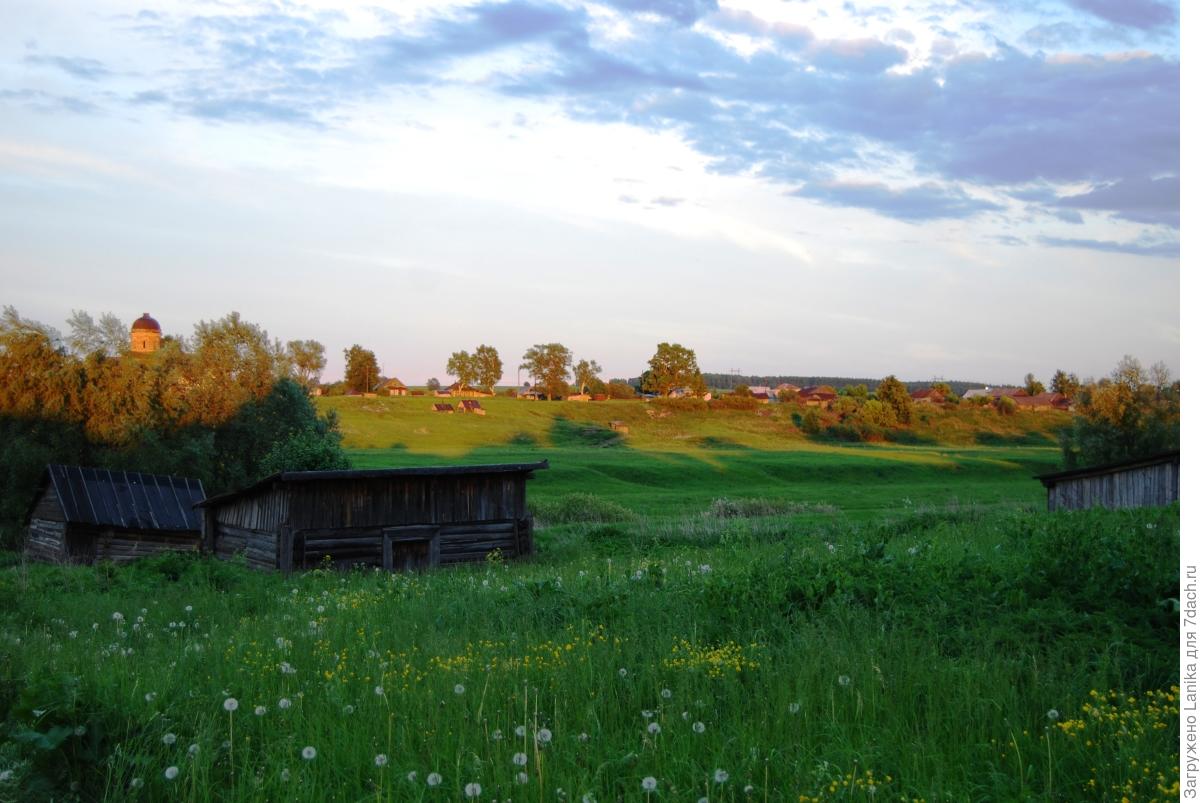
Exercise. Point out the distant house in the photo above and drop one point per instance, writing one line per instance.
(600, 397)
(761, 396)
(532, 394)
(1143, 482)
(786, 387)
(928, 396)
(459, 389)
(471, 406)
(397, 519)
(394, 387)
(757, 389)
(81, 515)
(579, 397)
(442, 408)
(442, 393)
(815, 395)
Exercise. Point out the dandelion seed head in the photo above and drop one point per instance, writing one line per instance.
(285, 775)
(284, 703)
(748, 789)
(622, 672)
(231, 704)
(459, 688)
(720, 776)
(136, 783)
(843, 680)
(519, 731)
(793, 708)
(260, 710)
(168, 739)
(381, 760)
(654, 729)
(472, 790)
(544, 735)
(193, 750)
(520, 759)
(649, 783)
(171, 773)
(497, 735)
(150, 696)
(308, 753)
(647, 714)
(698, 727)
(666, 694)
(1052, 715)
(379, 691)
(349, 709)
(521, 778)
(412, 776)
(433, 779)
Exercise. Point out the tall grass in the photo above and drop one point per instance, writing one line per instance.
(912, 658)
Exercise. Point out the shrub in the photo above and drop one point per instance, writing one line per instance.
(579, 507)
(733, 402)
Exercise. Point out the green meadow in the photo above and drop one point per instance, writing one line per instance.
(720, 609)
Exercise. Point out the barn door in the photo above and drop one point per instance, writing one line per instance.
(410, 549)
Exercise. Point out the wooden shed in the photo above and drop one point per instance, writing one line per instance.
(81, 515)
(395, 519)
(1143, 482)
(471, 406)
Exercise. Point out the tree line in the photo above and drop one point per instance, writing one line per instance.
(227, 405)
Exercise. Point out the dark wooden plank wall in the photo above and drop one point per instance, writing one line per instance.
(48, 508)
(407, 500)
(46, 541)
(265, 510)
(261, 548)
(122, 546)
(1142, 486)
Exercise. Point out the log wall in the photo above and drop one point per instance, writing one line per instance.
(46, 541)
(1141, 486)
(122, 546)
(260, 547)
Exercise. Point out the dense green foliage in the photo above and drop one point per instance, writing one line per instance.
(220, 408)
(1130, 414)
(934, 654)
(548, 366)
(362, 369)
(673, 367)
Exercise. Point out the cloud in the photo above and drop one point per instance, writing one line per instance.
(925, 202)
(1142, 200)
(77, 66)
(1143, 14)
(1141, 247)
(684, 12)
(855, 55)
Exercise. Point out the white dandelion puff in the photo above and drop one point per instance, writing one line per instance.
(720, 776)
(193, 750)
(654, 729)
(698, 727)
(459, 688)
(381, 760)
(748, 789)
(168, 739)
(379, 691)
(412, 776)
(472, 790)
(647, 714)
(622, 672)
(519, 731)
(843, 680)
(649, 783)
(522, 778)
(260, 710)
(520, 759)
(433, 779)
(794, 708)
(308, 753)
(544, 735)
(171, 773)
(285, 775)
(150, 696)
(1052, 715)
(666, 694)
(231, 704)
(284, 703)
(497, 735)
(349, 709)
(136, 783)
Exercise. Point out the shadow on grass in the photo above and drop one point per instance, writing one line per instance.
(566, 433)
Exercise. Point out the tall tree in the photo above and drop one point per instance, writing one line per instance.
(233, 361)
(362, 369)
(488, 368)
(892, 392)
(549, 365)
(1032, 386)
(673, 366)
(107, 336)
(461, 367)
(307, 361)
(587, 375)
(1064, 383)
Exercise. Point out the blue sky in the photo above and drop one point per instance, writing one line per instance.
(958, 189)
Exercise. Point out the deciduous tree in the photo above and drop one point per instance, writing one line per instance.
(549, 365)
(893, 393)
(673, 366)
(462, 368)
(587, 375)
(306, 359)
(488, 367)
(362, 369)
(1032, 386)
(107, 336)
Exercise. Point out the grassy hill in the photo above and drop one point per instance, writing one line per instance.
(675, 461)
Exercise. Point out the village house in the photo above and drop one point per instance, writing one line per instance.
(394, 387)
(442, 407)
(461, 390)
(471, 406)
(81, 515)
(396, 519)
(928, 396)
(815, 395)
(579, 397)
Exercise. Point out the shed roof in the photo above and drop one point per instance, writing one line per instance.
(1107, 468)
(378, 473)
(126, 499)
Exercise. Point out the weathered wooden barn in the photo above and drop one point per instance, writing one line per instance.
(396, 519)
(1144, 482)
(81, 515)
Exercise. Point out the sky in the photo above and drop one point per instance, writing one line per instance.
(966, 190)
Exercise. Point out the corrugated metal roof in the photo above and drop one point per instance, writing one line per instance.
(127, 499)
(378, 473)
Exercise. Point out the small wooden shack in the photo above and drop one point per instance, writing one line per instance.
(396, 519)
(81, 515)
(471, 406)
(1144, 482)
(439, 407)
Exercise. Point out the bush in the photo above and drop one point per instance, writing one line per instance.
(733, 402)
(686, 404)
(579, 507)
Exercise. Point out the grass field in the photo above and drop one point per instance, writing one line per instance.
(720, 609)
(679, 463)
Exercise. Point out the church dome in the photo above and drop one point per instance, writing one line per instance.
(146, 324)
